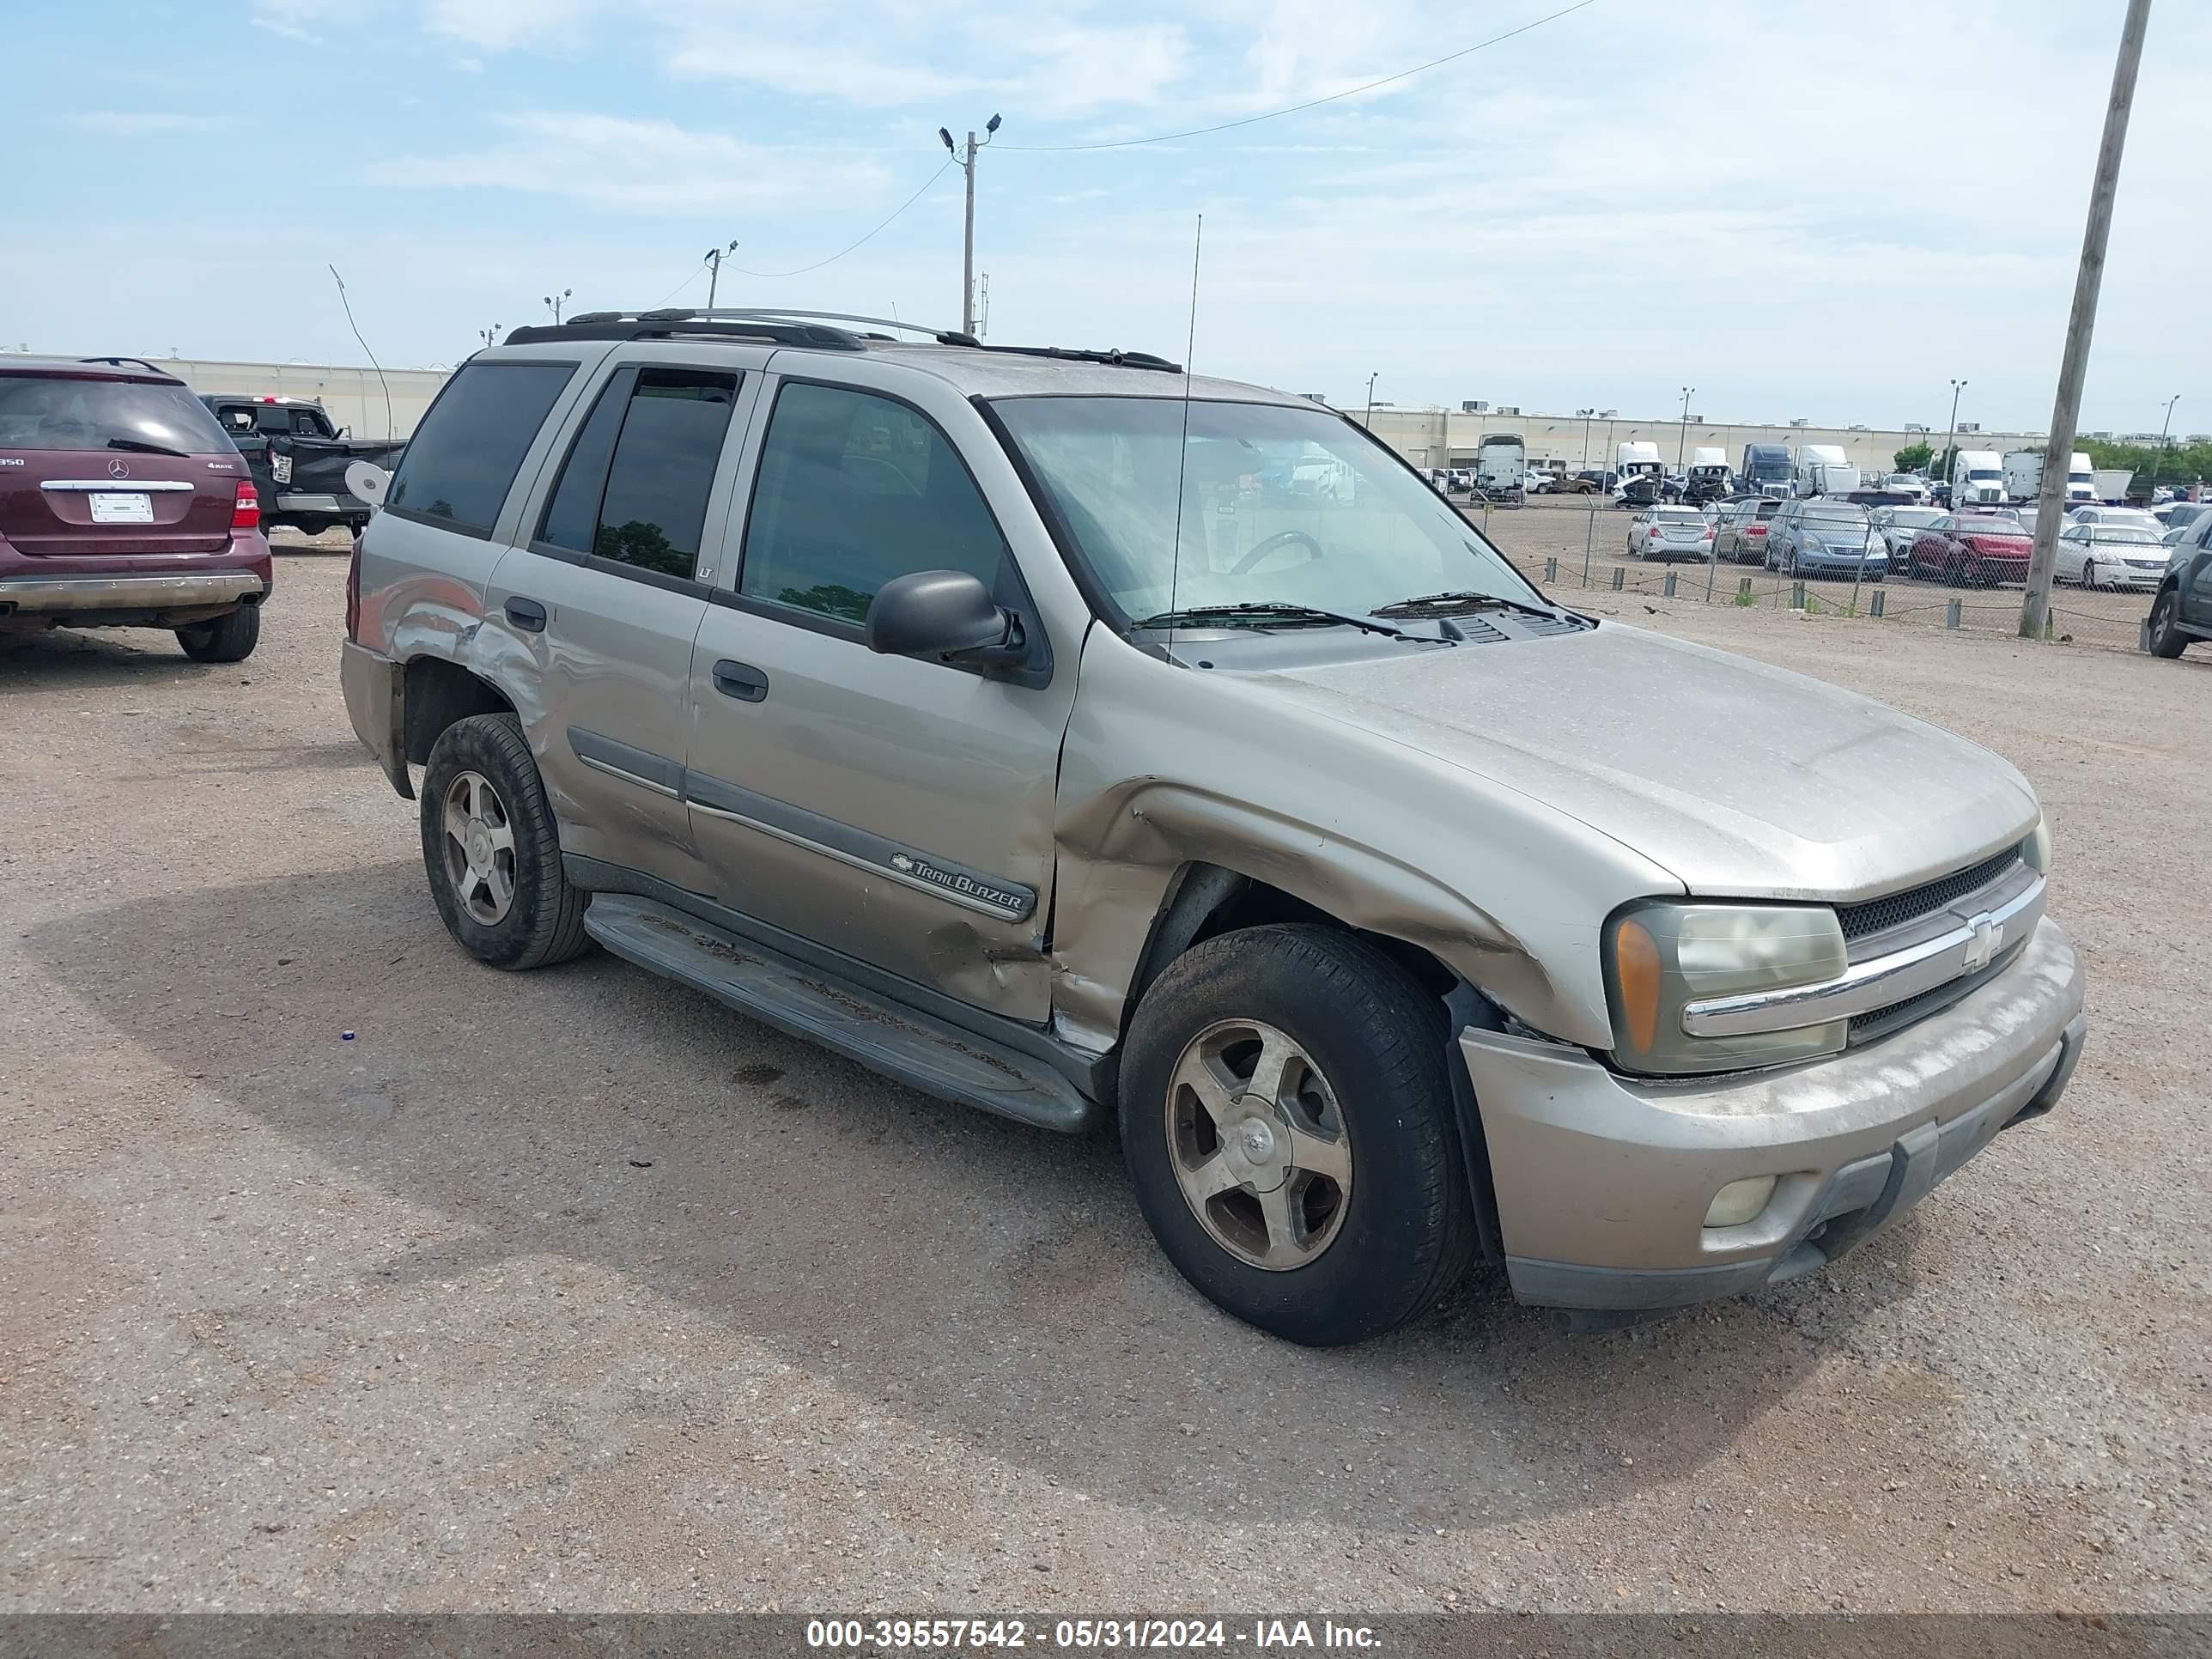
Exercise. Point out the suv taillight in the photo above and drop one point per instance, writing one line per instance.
(353, 591)
(246, 512)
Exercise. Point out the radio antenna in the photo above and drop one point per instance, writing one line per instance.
(1183, 449)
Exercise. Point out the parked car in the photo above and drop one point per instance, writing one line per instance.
(866, 687)
(1972, 550)
(2109, 555)
(1665, 533)
(2174, 514)
(123, 505)
(1824, 537)
(298, 460)
(1739, 528)
(1899, 527)
(2134, 516)
(1907, 484)
(2181, 610)
(1588, 482)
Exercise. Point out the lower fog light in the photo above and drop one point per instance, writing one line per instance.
(1739, 1202)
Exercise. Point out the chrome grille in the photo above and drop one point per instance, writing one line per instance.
(1896, 909)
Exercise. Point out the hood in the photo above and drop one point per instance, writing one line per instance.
(1738, 778)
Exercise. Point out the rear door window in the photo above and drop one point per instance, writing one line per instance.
(463, 459)
(634, 487)
(71, 411)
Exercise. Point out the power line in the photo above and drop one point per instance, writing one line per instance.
(1312, 103)
(848, 248)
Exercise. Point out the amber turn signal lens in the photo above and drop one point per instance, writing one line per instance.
(1636, 971)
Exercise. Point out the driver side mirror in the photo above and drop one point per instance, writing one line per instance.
(945, 614)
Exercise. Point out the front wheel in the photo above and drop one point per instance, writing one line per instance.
(2089, 575)
(2167, 639)
(1287, 1121)
(226, 638)
(491, 848)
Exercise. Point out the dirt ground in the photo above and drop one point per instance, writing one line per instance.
(341, 1272)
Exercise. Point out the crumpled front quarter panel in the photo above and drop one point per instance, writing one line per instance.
(1166, 765)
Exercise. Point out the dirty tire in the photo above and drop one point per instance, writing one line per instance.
(2167, 640)
(226, 638)
(1407, 1234)
(545, 923)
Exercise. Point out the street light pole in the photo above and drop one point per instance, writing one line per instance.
(2164, 427)
(1951, 440)
(2082, 322)
(555, 301)
(714, 258)
(967, 161)
(1586, 414)
(491, 336)
(1370, 399)
(1682, 443)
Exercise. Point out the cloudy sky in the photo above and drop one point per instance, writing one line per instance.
(1800, 209)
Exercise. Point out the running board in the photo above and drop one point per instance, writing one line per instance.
(928, 1053)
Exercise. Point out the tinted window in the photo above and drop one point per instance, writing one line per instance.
(634, 487)
(465, 455)
(854, 490)
(73, 412)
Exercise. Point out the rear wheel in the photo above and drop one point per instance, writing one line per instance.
(2167, 639)
(226, 638)
(492, 851)
(1287, 1121)
(2089, 574)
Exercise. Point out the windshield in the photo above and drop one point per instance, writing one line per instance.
(1913, 518)
(2120, 532)
(1278, 505)
(1981, 474)
(1835, 513)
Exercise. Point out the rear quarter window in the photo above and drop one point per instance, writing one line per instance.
(462, 459)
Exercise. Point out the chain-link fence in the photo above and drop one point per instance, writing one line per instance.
(1566, 543)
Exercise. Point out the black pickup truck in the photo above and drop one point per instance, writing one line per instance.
(298, 459)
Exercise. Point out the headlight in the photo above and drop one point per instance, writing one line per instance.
(2036, 849)
(1660, 956)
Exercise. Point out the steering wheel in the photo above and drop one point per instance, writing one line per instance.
(1280, 538)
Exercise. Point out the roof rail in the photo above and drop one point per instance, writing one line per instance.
(1071, 354)
(119, 361)
(666, 324)
(783, 313)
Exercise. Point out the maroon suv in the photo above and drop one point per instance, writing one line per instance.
(124, 505)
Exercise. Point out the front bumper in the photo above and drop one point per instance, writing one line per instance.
(1603, 1182)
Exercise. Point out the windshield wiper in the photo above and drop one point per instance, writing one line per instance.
(1267, 611)
(139, 446)
(1456, 604)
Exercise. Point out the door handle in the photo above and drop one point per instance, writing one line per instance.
(527, 615)
(740, 680)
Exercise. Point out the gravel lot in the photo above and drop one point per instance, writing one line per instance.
(574, 1290)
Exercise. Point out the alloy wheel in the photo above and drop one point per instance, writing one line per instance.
(1258, 1144)
(479, 848)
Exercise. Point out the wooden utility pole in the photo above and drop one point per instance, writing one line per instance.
(2035, 606)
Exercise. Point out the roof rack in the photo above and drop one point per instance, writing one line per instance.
(951, 337)
(118, 362)
(668, 323)
(1115, 359)
(798, 328)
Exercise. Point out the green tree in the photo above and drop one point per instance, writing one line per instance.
(1914, 457)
